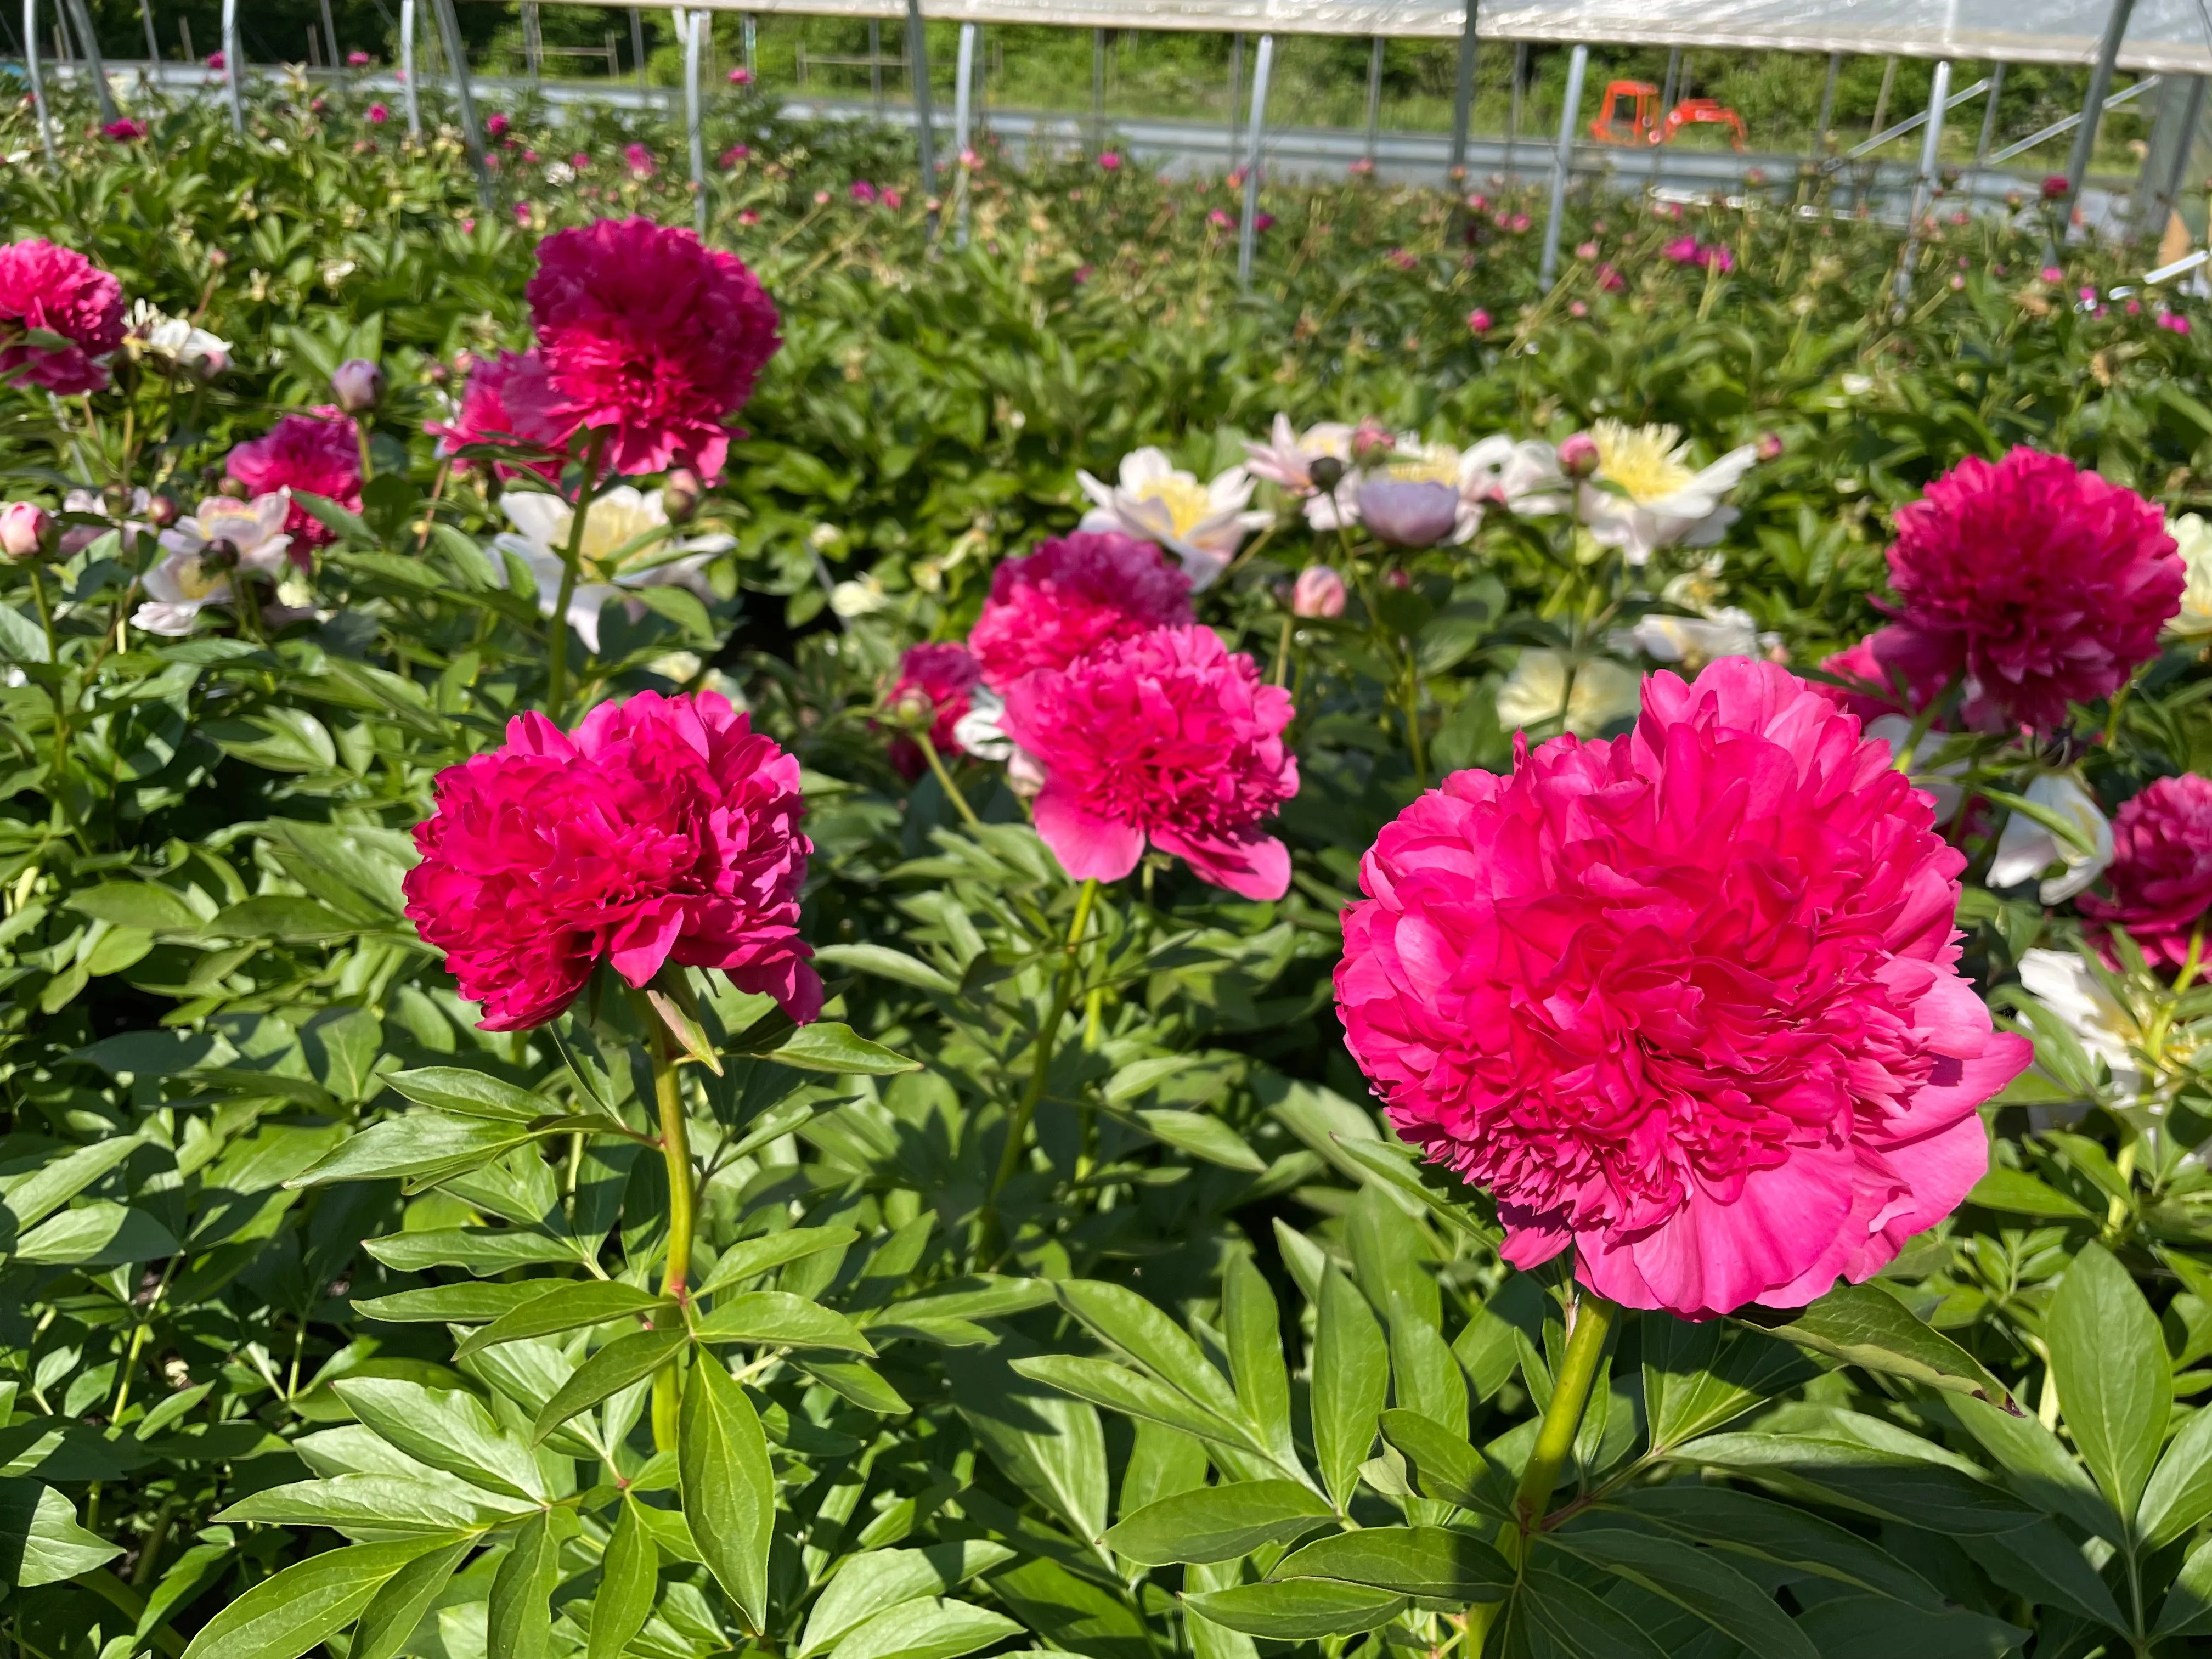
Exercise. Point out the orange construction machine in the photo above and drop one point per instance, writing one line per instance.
(1630, 116)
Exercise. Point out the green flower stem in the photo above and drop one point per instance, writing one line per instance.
(676, 1153)
(60, 697)
(945, 782)
(1017, 1131)
(557, 683)
(1591, 1322)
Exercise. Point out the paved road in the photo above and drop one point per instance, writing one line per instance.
(1191, 147)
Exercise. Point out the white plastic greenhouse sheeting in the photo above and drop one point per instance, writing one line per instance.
(2164, 34)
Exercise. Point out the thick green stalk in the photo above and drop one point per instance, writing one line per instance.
(1063, 994)
(60, 698)
(556, 684)
(945, 782)
(676, 1151)
(1591, 1322)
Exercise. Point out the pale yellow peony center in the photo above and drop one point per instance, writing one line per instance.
(1437, 465)
(608, 528)
(196, 581)
(1183, 496)
(1645, 461)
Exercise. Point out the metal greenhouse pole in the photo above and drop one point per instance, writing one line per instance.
(1675, 85)
(2093, 107)
(88, 45)
(925, 137)
(1924, 185)
(963, 80)
(1990, 115)
(153, 42)
(692, 25)
(1577, 66)
(1374, 97)
(38, 81)
(1463, 95)
(407, 68)
(457, 62)
(233, 69)
(1249, 229)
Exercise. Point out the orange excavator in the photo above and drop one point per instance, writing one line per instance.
(1630, 117)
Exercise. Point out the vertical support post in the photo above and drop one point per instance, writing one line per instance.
(331, 38)
(233, 69)
(1374, 96)
(1827, 102)
(963, 80)
(1924, 185)
(1675, 85)
(532, 40)
(2093, 107)
(1990, 115)
(876, 64)
(1235, 92)
(1097, 90)
(1513, 103)
(88, 50)
(749, 24)
(925, 134)
(2172, 136)
(1462, 94)
(1881, 98)
(38, 81)
(637, 45)
(456, 59)
(1253, 142)
(1563, 163)
(152, 41)
(407, 69)
(692, 24)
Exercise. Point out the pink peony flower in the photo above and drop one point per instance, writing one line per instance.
(1687, 999)
(2160, 875)
(60, 292)
(377, 114)
(1478, 321)
(741, 76)
(862, 192)
(1318, 592)
(124, 131)
(665, 830)
(1894, 671)
(936, 679)
(2054, 186)
(1071, 595)
(318, 452)
(2046, 584)
(1609, 280)
(495, 125)
(24, 529)
(639, 161)
(358, 60)
(2173, 320)
(1111, 160)
(1166, 739)
(508, 398)
(215, 60)
(652, 336)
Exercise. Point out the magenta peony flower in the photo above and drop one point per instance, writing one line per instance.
(862, 192)
(741, 76)
(1168, 738)
(2046, 584)
(639, 161)
(665, 830)
(124, 131)
(2160, 875)
(1318, 592)
(1071, 594)
(508, 398)
(1685, 1000)
(495, 125)
(358, 60)
(59, 292)
(938, 679)
(651, 336)
(318, 452)
(377, 114)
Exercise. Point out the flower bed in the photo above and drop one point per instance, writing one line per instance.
(815, 945)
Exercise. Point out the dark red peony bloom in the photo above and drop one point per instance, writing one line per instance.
(651, 336)
(2160, 875)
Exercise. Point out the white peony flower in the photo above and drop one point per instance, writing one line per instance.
(2070, 989)
(204, 554)
(1202, 525)
(858, 597)
(980, 732)
(1521, 476)
(2027, 848)
(1287, 458)
(1539, 689)
(1692, 642)
(607, 564)
(2193, 538)
(1644, 496)
(154, 333)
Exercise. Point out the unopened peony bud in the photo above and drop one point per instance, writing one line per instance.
(358, 384)
(1370, 443)
(24, 526)
(1769, 448)
(1326, 472)
(1578, 456)
(1318, 592)
(219, 555)
(680, 496)
(234, 488)
(163, 510)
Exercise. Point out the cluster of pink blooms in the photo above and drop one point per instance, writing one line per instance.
(645, 339)
(1140, 728)
(2030, 583)
(1686, 1001)
(663, 830)
(1689, 251)
(318, 452)
(59, 293)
